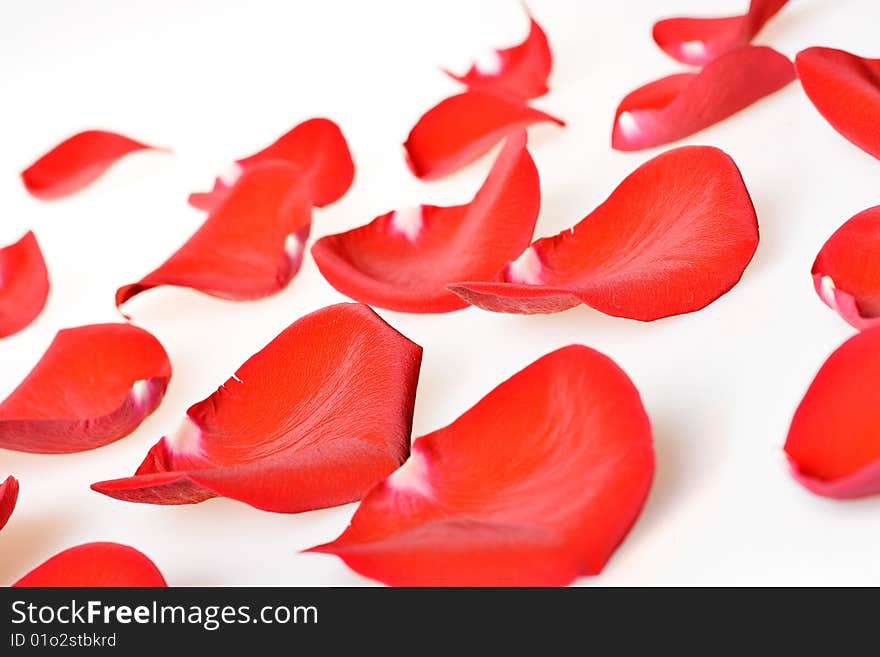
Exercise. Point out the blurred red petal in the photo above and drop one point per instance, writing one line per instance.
(76, 162)
(674, 236)
(458, 130)
(24, 284)
(249, 247)
(520, 71)
(845, 88)
(846, 273)
(536, 484)
(313, 420)
(680, 105)
(698, 41)
(403, 260)
(8, 498)
(98, 565)
(833, 444)
(94, 385)
(316, 146)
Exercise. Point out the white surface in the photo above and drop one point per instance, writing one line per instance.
(218, 80)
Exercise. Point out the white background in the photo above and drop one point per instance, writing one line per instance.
(216, 80)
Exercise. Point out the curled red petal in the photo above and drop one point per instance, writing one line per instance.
(76, 162)
(536, 484)
(403, 260)
(313, 420)
(316, 146)
(833, 443)
(94, 385)
(698, 41)
(846, 273)
(8, 498)
(674, 236)
(677, 106)
(249, 247)
(458, 130)
(845, 88)
(24, 284)
(96, 564)
(520, 71)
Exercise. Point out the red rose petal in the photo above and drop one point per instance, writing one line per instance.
(460, 129)
(698, 41)
(313, 420)
(76, 162)
(846, 273)
(249, 247)
(316, 146)
(403, 260)
(845, 88)
(536, 484)
(24, 284)
(8, 498)
(677, 106)
(96, 564)
(674, 236)
(833, 444)
(94, 385)
(520, 71)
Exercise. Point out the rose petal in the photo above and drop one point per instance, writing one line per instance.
(76, 162)
(674, 236)
(698, 41)
(404, 259)
(677, 106)
(94, 385)
(460, 129)
(8, 498)
(536, 484)
(313, 420)
(833, 444)
(520, 71)
(249, 247)
(846, 273)
(845, 88)
(24, 284)
(96, 564)
(316, 146)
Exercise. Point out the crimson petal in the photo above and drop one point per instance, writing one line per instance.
(845, 88)
(404, 259)
(94, 385)
(249, 247)
(95, 564)
(698, 41)
(536, 484)
(8, 498)
(520, 71)
(24, 284)
(460, 129)
(833, 444)
(677, 106)
(674, 236)
(846, 273)
(313, 420)
(316, 146)
(76, 162)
